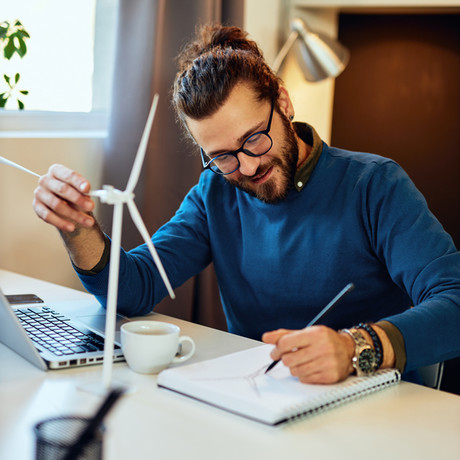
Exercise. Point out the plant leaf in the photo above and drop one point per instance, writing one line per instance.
(25, 92)
(16, 78)
(9, 49)
(7, 79)
(22, 50)
(20, 105)
(3, 100)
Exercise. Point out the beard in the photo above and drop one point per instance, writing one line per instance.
(284, 166)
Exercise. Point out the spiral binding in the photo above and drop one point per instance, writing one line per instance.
(348, 392)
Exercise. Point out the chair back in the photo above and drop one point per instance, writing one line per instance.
(432, 375)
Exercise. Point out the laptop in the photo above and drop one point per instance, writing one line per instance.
(55, 338)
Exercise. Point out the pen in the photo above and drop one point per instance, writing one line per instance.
(348, 288)
(87, 435)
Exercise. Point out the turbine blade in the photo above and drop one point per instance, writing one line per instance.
(137, 166)
(15, 165)
(137, 219)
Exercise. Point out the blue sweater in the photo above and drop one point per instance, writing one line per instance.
(358, 219)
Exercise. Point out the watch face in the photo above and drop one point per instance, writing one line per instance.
(366, 361)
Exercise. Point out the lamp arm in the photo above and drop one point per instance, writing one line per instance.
(284, 51)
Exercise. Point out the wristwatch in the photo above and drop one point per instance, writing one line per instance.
(365, 360)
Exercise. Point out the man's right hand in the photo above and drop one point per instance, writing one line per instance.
(61, 199)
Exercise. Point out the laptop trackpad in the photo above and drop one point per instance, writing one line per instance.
(97, 322)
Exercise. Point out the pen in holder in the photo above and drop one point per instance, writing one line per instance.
(55, 437)
(72, 438)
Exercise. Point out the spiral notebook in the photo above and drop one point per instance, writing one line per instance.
(237, 383)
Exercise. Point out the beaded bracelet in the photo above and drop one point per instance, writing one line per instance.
(375, 340)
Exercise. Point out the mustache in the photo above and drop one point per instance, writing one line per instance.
(261, 170)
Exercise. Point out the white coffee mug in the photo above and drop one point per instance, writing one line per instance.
(151, 346)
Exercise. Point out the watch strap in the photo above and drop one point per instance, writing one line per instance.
(364, 360)
(375, 340)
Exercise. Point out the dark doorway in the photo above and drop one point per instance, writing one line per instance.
(400, 98)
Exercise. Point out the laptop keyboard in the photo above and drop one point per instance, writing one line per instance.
(57, 333)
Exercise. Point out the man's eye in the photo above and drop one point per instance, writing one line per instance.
(223, 159)
(254, 139)
(213, 157)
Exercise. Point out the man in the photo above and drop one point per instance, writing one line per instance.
(287, 221)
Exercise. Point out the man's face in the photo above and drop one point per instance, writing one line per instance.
(268, 177)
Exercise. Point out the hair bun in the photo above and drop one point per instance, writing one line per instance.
(213, 37)
(228, 37)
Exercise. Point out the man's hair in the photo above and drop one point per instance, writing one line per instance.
(212, 64)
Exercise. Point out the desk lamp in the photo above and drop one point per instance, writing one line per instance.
(321, 57)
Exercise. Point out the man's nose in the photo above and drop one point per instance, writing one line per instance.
(248, 165)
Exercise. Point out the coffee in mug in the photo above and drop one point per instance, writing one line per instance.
(151, 346)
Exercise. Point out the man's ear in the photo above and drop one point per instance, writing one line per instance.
(284, 102)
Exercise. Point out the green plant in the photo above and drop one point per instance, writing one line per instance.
(13, 41)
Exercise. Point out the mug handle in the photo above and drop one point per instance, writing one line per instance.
(181, 358)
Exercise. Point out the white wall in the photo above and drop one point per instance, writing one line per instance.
(28, 245)
(265, 21)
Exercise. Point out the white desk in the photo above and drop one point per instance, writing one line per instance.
(403, 422)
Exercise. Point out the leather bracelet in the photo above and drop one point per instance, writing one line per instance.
(375, 340)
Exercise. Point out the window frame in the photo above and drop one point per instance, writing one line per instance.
(35, 123)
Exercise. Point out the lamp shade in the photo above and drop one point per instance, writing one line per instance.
(318, 55)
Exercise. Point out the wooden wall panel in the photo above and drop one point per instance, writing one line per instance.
(400, 97)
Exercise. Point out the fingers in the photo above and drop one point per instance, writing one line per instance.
(68, 176)
(274, 336)
(316, 364)
(315, 355)
(59, 213)
(60, 199)
(286, 341)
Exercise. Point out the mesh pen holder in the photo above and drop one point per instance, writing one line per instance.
(56, 436)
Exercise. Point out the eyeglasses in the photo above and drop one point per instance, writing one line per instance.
(255, 145)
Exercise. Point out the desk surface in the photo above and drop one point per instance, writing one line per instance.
(406, 421)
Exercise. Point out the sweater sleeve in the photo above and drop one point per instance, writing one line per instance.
(183, 247)
(397, 342)
(421, 259)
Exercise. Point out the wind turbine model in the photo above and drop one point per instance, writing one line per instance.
(118, 198)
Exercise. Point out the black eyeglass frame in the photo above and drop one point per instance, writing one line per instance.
(207, 165)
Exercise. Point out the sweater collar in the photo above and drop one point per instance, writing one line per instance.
(308, 134)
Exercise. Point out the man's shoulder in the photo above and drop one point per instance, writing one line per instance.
(210, 181)
(361, 163)
(359, 157)
(211, 187)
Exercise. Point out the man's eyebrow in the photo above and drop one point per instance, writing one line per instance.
(253, 130)
(240, 140)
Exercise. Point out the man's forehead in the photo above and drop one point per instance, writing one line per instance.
(240, 115)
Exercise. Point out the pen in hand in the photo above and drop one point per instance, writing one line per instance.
(348, 288)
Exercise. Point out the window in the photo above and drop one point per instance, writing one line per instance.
(68, 67)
